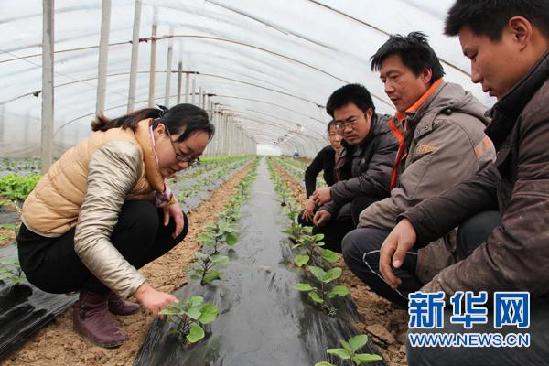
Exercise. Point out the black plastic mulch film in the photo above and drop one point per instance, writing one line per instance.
(24, 309)
(263, 320)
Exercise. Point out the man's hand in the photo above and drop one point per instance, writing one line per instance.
(322, 195)
(174, 211)
(309, 212)
(321, 218)
(393, 251)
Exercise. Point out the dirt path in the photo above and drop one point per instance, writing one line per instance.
(386, 324)
(57, 344)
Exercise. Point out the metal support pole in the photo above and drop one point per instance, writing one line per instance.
(220, 119)
(103, 56)
(227, 135)
(47, 84)
(186, 87)
(200, 97)
(135, 55)
(193, 87)
(152, 67)
(26, 130)
(179, 77)
(2, 121)
(169, 57)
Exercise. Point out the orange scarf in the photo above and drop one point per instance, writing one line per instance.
(401, 118)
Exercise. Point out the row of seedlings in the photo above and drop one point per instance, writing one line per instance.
(209, 179)
(321, 274)
(296, 169)
(188, 317)
(207, 164)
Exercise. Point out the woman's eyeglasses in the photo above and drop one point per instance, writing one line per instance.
(183, 158)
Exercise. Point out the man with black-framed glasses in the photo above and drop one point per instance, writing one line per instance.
(364, 166)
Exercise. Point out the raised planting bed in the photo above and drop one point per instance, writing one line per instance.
(262, 318)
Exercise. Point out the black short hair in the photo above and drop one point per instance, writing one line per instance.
(350, 93)
(331, 124)
(489, 17)
(415, 52)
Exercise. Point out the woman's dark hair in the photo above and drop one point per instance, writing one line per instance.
(350, 93)
(182, 119)
(415, 52)
(489, 17)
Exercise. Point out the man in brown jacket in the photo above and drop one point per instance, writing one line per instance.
(507, 44)
(442, 142)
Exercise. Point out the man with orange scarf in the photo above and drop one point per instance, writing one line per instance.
(442, 142)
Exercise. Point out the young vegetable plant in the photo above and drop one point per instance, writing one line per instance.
(189, 316)
(309, 245)
(294, 232)
(349, 352)
(11, 272)
(217, 235)
(320, 294)
(206, 267)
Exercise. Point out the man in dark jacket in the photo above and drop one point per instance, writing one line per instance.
(364, 166)
(324, 161)
(443, 142)
(507, 43)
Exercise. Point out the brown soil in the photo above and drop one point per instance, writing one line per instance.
(6, 237)
(57, 344)
(385, 324)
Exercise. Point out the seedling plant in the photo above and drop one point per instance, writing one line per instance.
(220, 234)
(11, 272)
(349, 352)
(322, 288)
(189, 317)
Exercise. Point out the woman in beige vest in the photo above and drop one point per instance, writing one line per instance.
(103, 210)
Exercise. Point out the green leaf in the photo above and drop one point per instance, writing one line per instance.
(314, 296)
(194, 312)
(196, 333)
(339, 290)
(204, 238)
(201, 256)
(194, 301)
(301, 260)
(357, 342)
(366, 358)
(225, 227)
(346, 346)
(318, 272)
(172, 309)
(304, 287)
(208, 313)
(212, 276)
(331, 275)
(318, 237)
(339, 352)
(329, 256)
(324, 363)
(220, 259)
(231, 239)
(10, 261)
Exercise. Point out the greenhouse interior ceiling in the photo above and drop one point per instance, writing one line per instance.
(264, 69)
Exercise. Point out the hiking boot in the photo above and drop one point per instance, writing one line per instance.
(119, 306)
(91, 318)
